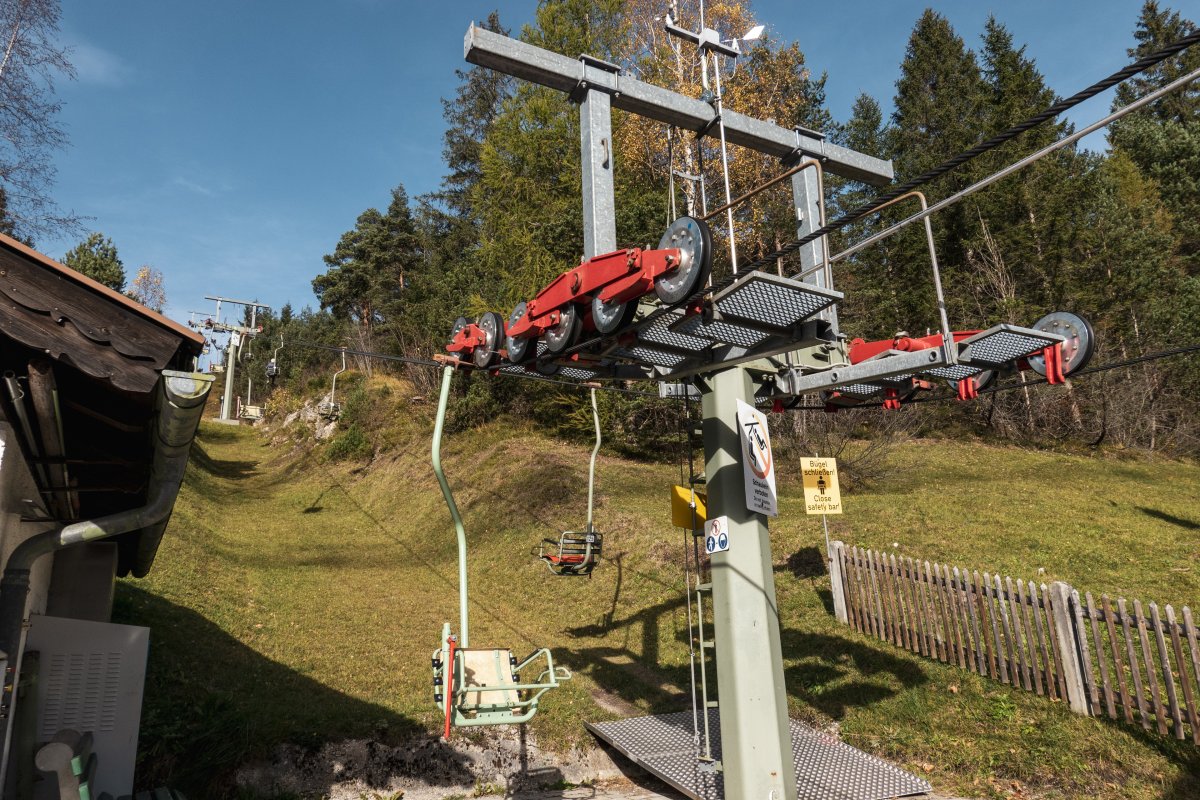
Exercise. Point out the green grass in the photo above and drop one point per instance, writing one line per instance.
(297, 598)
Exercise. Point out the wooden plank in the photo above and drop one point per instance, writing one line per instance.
(1027, 622)
(851, 589)
(1168, 674)
(1035, 605)
(997, 625)
(956, 611)
(1189, 698)
(885, 595)
(1085, 656)
(951, 618)
(866, 610)
(1118, 661)
(914, 586)
(1001, 662)
(1189, 632)
(1134, 669)
(891, 607)
(902, 622)
(1101, 658)
(972, 640)
(981, 603)
(1060, 677)
(876, 603)
(1160, 715)
(972, 596)
(1006, 627)
(847, 584)
(1026, 684)
(926, 587)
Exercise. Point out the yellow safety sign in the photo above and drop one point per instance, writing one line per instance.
(821, 492)
(681, 508)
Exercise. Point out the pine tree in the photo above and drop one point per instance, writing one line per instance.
(97, 258)
(367, 269)
(1164, 141)
(940, 110)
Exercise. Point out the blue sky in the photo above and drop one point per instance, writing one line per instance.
(230, 143)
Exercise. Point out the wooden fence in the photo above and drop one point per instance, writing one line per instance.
(1115, 658)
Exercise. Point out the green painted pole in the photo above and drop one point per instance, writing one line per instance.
(592, 468)
(447, 375)
(756, 740)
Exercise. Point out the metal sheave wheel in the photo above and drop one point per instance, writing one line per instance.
(488, 353)
(694, 241)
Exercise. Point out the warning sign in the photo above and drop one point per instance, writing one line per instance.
(821, 492)
(758, 465)
(716, 535)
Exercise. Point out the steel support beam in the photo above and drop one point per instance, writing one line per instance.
(755, 734)
(599, 203)
(806, 195)
(230, 366)
(534, 64)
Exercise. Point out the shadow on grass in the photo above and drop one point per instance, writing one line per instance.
(1186, 524)
(836, 674)
(212, 703)
(230, 470)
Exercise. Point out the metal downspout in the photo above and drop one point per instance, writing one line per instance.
(447, 374)
(181, 403)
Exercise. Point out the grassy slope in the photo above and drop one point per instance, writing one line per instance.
(297, 601)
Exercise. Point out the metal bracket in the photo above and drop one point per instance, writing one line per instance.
(580, 91)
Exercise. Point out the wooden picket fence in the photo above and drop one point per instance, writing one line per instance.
(1115, 658)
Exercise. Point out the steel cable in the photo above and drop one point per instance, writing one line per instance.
(954, 162)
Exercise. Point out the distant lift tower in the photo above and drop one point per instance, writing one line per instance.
(757, 759)
(236, 332)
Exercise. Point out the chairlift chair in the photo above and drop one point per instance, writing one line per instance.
(480, 686)
(330, 409)
(578, 552)
(273, 364)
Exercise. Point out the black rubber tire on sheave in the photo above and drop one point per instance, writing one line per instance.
(488, 353)
(694, 240)
(519, 350)
(566, 332)
(547, 368)
(612, 317)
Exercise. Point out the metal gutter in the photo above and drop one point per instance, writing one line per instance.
(180, 405)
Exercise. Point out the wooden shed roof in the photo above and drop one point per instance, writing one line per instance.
(53, 309)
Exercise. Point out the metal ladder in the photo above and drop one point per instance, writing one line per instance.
(699, 585)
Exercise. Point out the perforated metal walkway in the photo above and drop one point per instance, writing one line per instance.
(826, 768)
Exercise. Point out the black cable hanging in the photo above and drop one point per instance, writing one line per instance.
(429, 362)
(1190, 348)
(954, 162)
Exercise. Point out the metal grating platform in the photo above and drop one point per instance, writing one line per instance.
(826, 768)
(772, 302)
(1002, 344)
(659, 332)
(726, 332)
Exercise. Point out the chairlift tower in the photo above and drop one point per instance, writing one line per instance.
(757, 759)
(236, 332)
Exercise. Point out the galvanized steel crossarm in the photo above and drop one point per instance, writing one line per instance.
(534, 64)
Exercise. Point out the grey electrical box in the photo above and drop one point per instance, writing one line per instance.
(91, 681)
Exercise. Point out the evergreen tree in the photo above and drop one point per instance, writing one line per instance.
(97, 258)
(367, 269)
(1164, 140)
(940, 109)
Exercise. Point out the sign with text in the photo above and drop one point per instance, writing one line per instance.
(716, 535)
(821, 492)
(758, 463)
